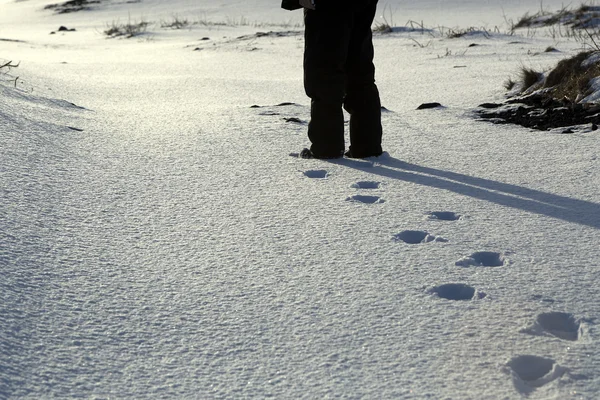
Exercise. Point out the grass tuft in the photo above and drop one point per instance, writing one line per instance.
(5, 68)
(385, 26)
(458, 33)
(175, 23)
(382, 28)
(529, 77)
(509, 84)
(127, 30)
(569, 81)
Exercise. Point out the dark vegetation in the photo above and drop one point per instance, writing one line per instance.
(552, 100)
(538, 112)
(128, 29)
(586, 16)
(556, 99)
(72, 6)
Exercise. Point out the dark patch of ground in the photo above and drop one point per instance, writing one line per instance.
(82, 5)
(12, 40)
(584, 17)
(72, 6)
(426, 106)
(552, 101)
(542, 113)
(270, 34)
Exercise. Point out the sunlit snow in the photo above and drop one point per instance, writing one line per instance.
(158, 241)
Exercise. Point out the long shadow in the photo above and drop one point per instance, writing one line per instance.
(565, 208)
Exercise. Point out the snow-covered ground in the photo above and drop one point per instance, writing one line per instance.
(157, 241)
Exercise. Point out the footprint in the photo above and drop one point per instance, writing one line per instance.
(531, 372)
(558, 324)
(366, 199)
(416, 237)
(482, 259)
(366, 185)
(457, 291)
(444, 216)
(316, 174)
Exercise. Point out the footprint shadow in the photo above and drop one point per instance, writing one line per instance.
(416, 237)
(365, 199)
(366, 185)
(557, 324)
(443, 216)
(519, 197)
(482, 259)
(530, 372)
(316, 174)
(457, 292)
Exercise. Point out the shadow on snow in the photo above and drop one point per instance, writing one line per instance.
(565, 208)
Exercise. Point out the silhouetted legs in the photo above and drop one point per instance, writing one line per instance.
(339, 71)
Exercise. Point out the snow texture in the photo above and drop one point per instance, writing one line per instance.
(157, 241)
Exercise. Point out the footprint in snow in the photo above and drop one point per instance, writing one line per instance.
(457, 291)
(416, 237)
(483, 259)
(443, 216)
(316, 174)
(365, 199)
(558, 324)
(366, 185)
(530, 372)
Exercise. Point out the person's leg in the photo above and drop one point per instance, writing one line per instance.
(362, 97)
(327, 34)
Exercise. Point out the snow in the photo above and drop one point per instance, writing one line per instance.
(157, 241)
(594, 96)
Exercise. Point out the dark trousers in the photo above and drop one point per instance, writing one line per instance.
(339, 71)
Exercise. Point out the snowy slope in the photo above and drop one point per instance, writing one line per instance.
(156, 241)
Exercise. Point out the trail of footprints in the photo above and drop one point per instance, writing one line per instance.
(528, 372)
(366, 199)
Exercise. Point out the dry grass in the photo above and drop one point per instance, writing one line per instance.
(382, 28)
(127, 30)
(175, 23)
(529, 77)
(242, 21)
(581, 24)
(6, 67)
(458, 33)
(509, 84)
(386, 26)
(569, 81)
